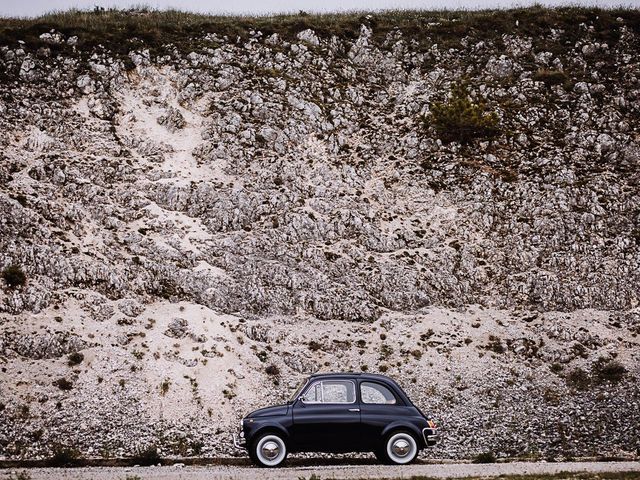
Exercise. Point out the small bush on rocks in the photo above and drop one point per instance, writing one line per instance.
(75, 358)
(550, 77)
(196, 447)
(63, 457)
(147, 456)
(272, 370)
(385, 352)
(164, 386)
(495, 345)
(228, 394)
(63, 384)
(578, 379)
(14, 277)
(262, 356)
(486, 457)
(460, 119)
(609, 370)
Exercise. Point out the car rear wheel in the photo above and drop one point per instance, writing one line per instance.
(400, 448)
(269, 450)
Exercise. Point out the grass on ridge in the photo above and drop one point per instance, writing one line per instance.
(124, 30)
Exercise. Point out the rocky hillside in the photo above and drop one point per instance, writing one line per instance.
(196, 212)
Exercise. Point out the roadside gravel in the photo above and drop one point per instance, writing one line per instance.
(218, 472)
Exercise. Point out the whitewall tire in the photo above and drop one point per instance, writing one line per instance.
(401, 448)
(269, 450)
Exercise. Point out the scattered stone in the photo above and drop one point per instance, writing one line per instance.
(178, 328)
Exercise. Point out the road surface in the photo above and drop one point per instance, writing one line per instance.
(306, 470)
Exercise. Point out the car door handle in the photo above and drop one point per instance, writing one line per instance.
(354, 409)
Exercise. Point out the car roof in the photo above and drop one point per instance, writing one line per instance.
(372, 376)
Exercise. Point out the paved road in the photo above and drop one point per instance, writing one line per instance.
(373, 471)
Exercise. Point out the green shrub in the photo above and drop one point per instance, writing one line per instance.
(550, 77)
(14, 277)
(609, 370)
(147, 456)
(495, 345)
(63, 457)
(63, 384)
(385, 351)
(486, 457)
(262, 356)
(196, 447)
(75, 358)
(578, 379)
(460, 119)
(229, 394)
(164, 386)
(272, 370)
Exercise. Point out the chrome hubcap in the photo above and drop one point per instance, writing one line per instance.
(270, 450)
(401, 447)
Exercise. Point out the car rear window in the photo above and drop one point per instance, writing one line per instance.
(376, 393)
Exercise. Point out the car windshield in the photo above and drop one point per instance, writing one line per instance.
(298, 390)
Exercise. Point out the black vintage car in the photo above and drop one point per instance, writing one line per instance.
(339, 412)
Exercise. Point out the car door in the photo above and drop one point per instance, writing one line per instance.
(379, 406)
(326, 417)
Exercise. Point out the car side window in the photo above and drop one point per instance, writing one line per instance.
(338, 391)
(376, 393)
(313, 394)
(331, 391)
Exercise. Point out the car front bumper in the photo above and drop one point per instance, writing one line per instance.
(431, 436)
(238, 440)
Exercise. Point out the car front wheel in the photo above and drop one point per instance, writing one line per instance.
(268, 450)
(400, 448)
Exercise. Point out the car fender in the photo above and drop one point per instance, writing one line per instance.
(269, 427)
(401, 425)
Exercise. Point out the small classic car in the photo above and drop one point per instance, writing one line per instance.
(339, 412)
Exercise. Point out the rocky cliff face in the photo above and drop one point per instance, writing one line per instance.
(186, 217)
